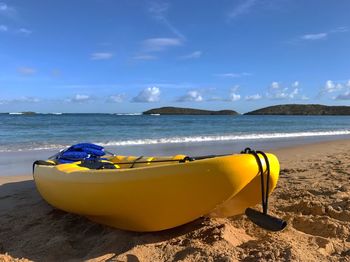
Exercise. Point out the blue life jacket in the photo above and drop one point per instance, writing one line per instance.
(79, 152)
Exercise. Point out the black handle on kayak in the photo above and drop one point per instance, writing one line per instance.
(265, 221)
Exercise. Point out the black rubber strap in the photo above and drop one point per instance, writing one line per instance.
(133, 163)
(264, 193)
(267, 179)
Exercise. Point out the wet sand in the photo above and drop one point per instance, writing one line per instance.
(313, 195)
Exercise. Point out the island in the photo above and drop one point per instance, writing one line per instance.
(186, 111)
(302, 109)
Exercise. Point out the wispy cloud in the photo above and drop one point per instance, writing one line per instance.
(79, 98)
(345, 96)
(193, 55)
(340, 29)
(233, 75)
(119, 98)
(26, 70)
(158, 11)
(317, 36)
(101, 56)
(253, 97)
(22, 99)
(323, 35)
(242, 8)
(160, 44)
(24, 31)
(232, 96)
(7, 11)
(169, 85)
(191, 96)
(144, 57)
(3, 7)
(148, 95)
(20, 31)
(3, 28)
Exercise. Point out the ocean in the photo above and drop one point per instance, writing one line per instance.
(26, 138)
(55, 131)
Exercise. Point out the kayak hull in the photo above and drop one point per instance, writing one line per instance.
(153, 198)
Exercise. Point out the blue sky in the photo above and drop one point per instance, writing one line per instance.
(129, 56)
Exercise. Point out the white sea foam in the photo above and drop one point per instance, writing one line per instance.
(16, 113)
(128, 114)
(194, 139)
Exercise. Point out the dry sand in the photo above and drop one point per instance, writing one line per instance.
(313, 195)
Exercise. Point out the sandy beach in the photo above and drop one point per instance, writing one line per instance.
(313, 195)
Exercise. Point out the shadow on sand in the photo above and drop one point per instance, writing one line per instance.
(32, 229)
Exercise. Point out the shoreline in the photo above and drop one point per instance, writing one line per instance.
(282, 150)
(313, 195)
(20, 162)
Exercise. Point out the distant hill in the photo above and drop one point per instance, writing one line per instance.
(187, 111)
(295, 109)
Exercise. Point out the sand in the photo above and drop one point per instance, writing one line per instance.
(313, 195)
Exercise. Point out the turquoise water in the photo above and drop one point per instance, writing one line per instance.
(54, 131)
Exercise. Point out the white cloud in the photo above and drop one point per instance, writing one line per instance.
(148, 95)
(294, 92)
(331, 87)
(145, 57)
(79, 98)
(24, 31)
(193, 55)
(191, 96)
(323, 35)
(346, 93)
(318, 36)
(158, 10)
(3, 28)
(101, 56)
(277, 91)
(116, 98)
(253, 97)
(26, 70)
(23, 99)
(275, 85)
(345, 96)
(234, 96)
(295, 84)
(160, 44)
(242, 8)
(233, 75)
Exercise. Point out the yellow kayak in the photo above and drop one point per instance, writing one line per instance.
(155, 193)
